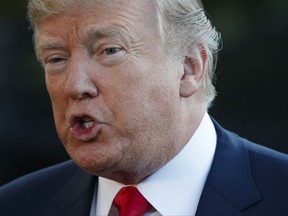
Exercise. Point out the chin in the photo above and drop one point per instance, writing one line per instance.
(92, 160)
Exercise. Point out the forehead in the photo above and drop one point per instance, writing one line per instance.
(123, 18)
(124, 13)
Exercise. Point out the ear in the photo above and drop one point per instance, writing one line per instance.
(194, 66)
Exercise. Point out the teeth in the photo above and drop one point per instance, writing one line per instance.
(87, 123)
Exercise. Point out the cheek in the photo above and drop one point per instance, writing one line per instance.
(145, 107)
(56, 91)
(139, 93)
(57, 101)
(52, 86)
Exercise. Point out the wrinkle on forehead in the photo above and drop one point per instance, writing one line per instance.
(73, 7)
(97, 32)
(127, 10)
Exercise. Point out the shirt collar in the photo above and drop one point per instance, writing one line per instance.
(174, 189)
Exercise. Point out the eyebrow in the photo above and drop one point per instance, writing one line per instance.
(95, 33)
(47, 44)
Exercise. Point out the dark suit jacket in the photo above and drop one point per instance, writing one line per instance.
(245, 179)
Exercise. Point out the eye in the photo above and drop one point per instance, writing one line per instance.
(109, 54)
(112, 50)
(54, 64)
(55, 60)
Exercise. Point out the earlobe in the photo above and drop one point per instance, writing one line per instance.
(194, 67)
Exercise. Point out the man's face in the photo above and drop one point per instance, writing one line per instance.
(114, 92)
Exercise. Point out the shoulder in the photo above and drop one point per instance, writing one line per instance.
(243, 169)
(256, 152)
(263, 159)
(268, 167)
(60, 171)
(31, 187)
(266, 155)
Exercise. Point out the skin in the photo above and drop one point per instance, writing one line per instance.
(108, 63)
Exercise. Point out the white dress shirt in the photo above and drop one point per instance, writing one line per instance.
(174, 189)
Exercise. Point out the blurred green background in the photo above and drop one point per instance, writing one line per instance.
(251, 84)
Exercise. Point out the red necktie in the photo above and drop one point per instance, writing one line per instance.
(130, 202)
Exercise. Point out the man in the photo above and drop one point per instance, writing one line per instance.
(130, 83)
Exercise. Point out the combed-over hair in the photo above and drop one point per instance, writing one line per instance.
(182, 24)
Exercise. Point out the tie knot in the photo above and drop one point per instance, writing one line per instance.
(130, 202)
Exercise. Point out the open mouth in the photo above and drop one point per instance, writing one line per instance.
(84, 127)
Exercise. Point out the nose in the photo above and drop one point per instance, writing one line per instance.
(79, 83)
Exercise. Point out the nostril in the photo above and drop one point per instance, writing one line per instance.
(88, 94)
(83, 96)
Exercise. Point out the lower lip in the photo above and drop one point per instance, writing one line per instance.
(86, 134)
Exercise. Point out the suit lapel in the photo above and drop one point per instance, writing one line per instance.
(230, 187)
(76, 197)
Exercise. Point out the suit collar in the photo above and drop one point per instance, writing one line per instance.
(230, 183)
(76, 197)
